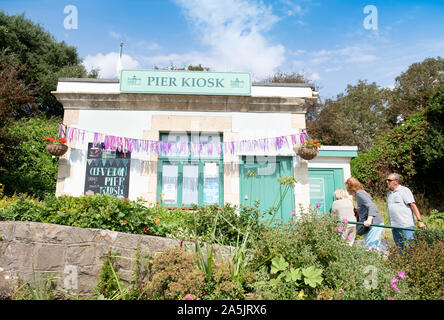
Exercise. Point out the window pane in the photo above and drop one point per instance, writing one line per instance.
(170, 172)
(190, 192)
(178, 145)
(211, 183)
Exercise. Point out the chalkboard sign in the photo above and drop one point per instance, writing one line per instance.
(107, 171)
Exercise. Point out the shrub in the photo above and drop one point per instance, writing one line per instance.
(175, 275)
(28, 167)
(112, 213)
(315, 241)
(222, 286)
(436, 220)
(395, 153)
(423, 264)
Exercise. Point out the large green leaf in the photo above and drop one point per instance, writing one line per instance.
(312, 276)
(278, 264)
(293, 275)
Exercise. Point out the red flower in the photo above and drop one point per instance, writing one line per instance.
(61, 140)
(315, 141)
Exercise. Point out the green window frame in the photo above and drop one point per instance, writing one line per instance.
(183, 160)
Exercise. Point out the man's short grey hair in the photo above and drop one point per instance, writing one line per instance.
(340, 194)
(396, 176)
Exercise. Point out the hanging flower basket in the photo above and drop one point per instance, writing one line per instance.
(305, 153)
(308, 150)
(56, 147)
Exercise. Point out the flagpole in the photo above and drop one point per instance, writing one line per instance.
(119, 62)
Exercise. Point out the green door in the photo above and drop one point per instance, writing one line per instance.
(258, 181)
(323, 183)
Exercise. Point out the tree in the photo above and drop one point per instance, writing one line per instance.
(189, 68)
(430, 159)
(288, 77)
(355, 117)
(46, 59)
(15, 99)
(313, 108)
(16, 96)
(414, 149)
(414, 89)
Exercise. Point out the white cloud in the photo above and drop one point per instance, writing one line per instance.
(107, 63)
(233, 33)
(350, 54)
(115, 35)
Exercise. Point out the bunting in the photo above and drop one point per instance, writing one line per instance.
(124, 144)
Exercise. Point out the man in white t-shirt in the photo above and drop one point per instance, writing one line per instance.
(401, 208)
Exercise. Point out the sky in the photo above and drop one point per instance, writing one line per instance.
(334, 43)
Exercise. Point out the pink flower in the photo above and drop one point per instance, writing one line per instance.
(347, 237)
(391, 298)
(293, 212)
(318, 205)
(395, 287)
(345, 220)
(340, 291)
(394, 280)
(401, 275)
(340, 229)
(188, 297)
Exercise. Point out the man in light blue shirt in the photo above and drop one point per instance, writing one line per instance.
(401, 208)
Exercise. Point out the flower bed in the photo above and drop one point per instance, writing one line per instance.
(304, 259)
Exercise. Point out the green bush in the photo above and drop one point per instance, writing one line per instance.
(175, 275)
(423, 264)
(221, 286)
(436, 220)
(27, 167)
(395, 153)
(94, 211)
(213, 224)
(315, 241)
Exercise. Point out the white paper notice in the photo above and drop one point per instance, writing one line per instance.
(170, 192)
(211, 170)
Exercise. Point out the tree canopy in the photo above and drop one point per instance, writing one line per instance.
(22, 42)
(356, 117)
(414, 88)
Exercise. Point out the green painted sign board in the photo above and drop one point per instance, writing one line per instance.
(185, 82)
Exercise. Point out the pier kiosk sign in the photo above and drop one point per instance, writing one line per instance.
(185, 82)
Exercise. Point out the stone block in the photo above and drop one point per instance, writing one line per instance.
(81, 255)
(48, 257)
(16, 255)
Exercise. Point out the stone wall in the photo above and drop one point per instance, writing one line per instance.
(74, 255)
